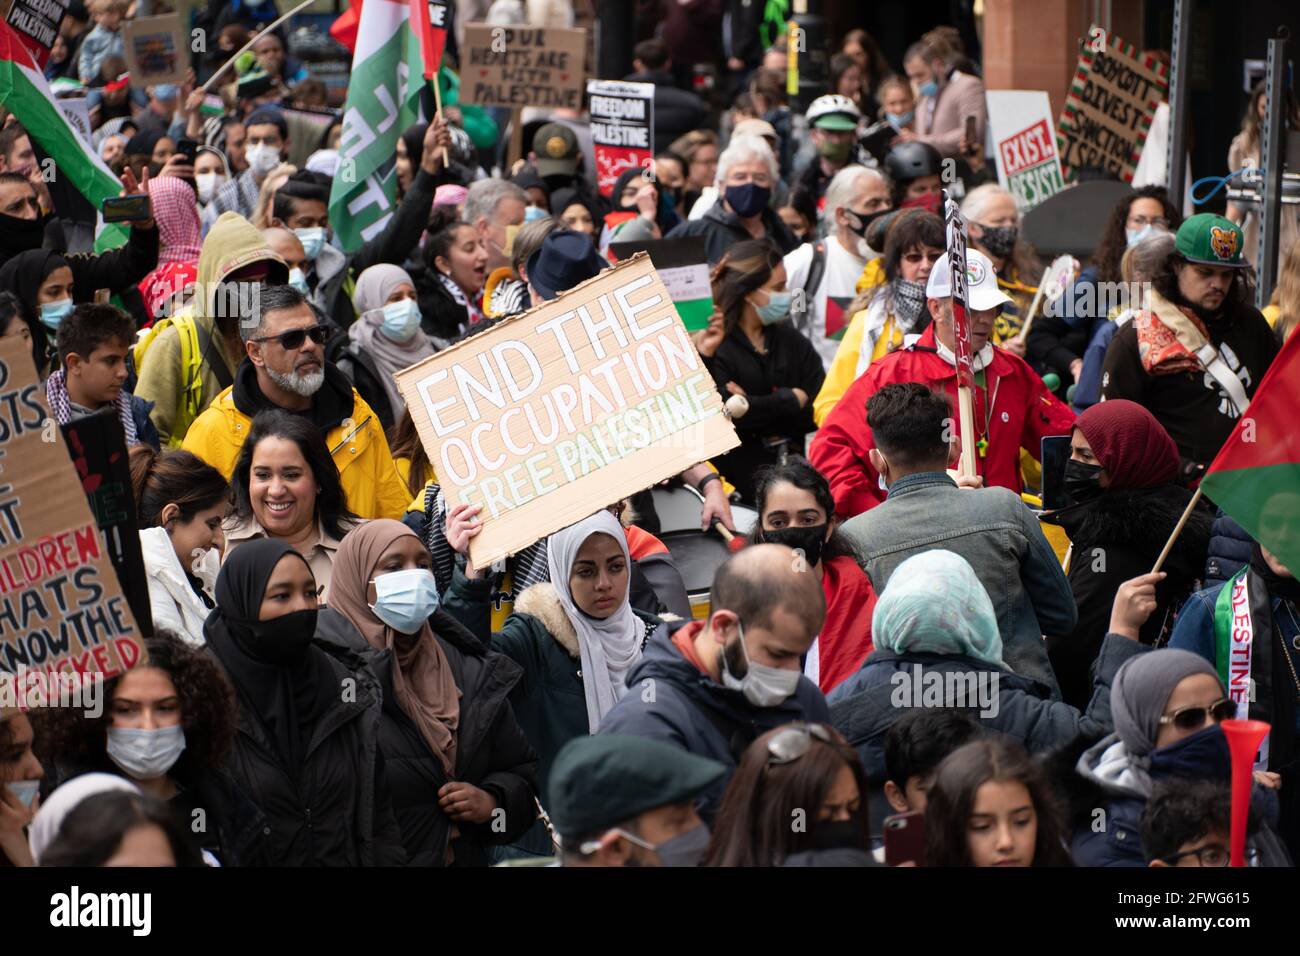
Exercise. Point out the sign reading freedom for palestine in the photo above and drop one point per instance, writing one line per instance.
(61, 605)
(1112, 99)
(563, 410)
(522, 66)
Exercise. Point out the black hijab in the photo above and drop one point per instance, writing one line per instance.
(287, 696)
(23, 275)
(1278, 586)
(665, 217)
(414, 140)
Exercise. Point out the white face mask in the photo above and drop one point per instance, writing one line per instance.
(208, 184)
(262, 158)
(145, 754)
(762, 686)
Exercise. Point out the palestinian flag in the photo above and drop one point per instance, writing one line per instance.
(26, 94)
(383, 100)
(1255, 477)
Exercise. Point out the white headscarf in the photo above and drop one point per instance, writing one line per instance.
(609, 648)
(65, 799)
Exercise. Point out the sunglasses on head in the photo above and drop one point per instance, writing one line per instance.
(1193, 718)
(294, 338)
(788, 745)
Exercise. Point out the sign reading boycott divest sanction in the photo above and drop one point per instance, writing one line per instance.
(573, 405)
(1108, 112)
(523, 66)
(61, 605)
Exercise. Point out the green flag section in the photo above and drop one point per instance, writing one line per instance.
(24, 92)
(683, 266)
(1255, 478)
(383, 100)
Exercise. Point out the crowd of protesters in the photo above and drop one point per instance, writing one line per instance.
(333, 681)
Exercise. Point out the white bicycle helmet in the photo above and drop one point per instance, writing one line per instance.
(833, 112)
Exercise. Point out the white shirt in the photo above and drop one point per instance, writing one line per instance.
(838, 283)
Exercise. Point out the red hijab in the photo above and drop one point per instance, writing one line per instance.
(1131, 445)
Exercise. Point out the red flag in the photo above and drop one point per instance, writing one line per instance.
(430, 19)
(345, 27)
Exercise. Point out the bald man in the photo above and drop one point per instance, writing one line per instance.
(285, 244)
(714, 686)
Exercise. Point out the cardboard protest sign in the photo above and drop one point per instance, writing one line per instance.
(622, 128)
(62, 610)
(1108, 111)
(523, 66)
(157, 49)
(97, 445)
(567, 408)
(37, 24)
(683, 266)
(1024, 144)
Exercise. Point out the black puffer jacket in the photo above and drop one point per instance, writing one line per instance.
(1116, 537)
(491, 750)
(337, 810)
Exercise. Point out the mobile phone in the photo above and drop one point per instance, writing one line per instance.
(905, 838)
(132, 208)
(972, 147)
(189, 149)
(1056, 452)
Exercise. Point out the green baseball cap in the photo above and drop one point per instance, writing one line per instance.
(1211, 240)
(599, 782)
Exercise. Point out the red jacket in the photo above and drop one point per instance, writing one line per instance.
(845, 638)
(1023, 413)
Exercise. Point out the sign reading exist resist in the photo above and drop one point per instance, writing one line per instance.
(568, 408)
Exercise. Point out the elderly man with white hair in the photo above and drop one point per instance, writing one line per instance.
(827, 270)
(747, 174)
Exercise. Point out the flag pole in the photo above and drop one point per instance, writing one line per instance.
(966, 406)
(437, 100)
(249, 45)
(1178, 528)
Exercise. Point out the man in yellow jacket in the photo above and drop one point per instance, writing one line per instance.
(284, 367)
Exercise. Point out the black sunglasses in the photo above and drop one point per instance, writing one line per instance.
(1193, 718)
(788, 745)
(294, 338)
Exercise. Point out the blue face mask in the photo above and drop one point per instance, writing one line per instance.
(401, 319)
(1134, 236)
(777, 308)
(405, 599)
(53, 313)
(748, 200)
(299, 281)
(928, 88)
(899, 120)
(24, 790)
(1202, 756)
(313, 240)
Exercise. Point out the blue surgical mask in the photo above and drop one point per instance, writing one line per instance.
(401, 319)
(53, 313)
(777, 308)
(24, 790)
(313, 240)
(405, 599)
(928, 88)
(899, 120)
(298, 280)
(533, 213)
(1134, 236)
(145, 754)
(166, 92)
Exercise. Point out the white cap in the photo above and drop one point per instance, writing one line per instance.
(981, 282)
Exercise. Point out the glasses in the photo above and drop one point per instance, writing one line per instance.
(293, 339)
(916, 258)
(788, 745)
(1213, 855)
(1193, 718)
(1138, 222)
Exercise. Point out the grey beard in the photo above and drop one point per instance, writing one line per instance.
(304, 385)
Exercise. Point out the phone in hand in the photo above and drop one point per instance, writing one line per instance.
(905, 838)
(1056, 452)
(189, 149)
(972, 147)
(133, 208)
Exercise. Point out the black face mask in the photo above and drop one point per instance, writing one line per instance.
(1202, 756)
(282, 640)
(1082, 481)
(837, 835)
(859, 222)
(811, 540)
(999, 240)
(20, 235)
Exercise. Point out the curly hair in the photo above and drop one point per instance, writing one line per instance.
(208, 713)
(1113, 238)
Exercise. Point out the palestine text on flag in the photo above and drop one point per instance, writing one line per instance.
(1255, 477)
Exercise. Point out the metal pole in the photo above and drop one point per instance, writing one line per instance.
(1270, 162)
(1176, 157)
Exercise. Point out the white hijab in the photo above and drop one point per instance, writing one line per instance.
(65, 799)
(609, 648)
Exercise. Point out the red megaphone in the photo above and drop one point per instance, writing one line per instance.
(1244, 738)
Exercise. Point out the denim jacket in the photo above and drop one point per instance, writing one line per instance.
(993, 530)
